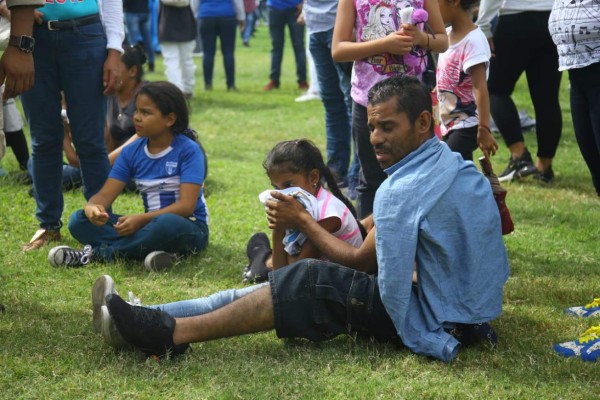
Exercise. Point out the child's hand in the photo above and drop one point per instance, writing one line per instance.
(486, 141)
(96, 214)
(398, 43)
(129, 224)
(411, 30)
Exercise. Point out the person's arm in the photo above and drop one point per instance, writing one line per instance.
(70, 152)
(112, 15)
(184, 206)
(95, 209)
(485, 140)
(112, 156)
(16, 66)
(286, 212)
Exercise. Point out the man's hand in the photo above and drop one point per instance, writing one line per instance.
(16, 71)
(284, 212)
(111, 78)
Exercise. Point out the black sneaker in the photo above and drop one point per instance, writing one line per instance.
(257, 271)
(468, 334)
(148, 329)
(519, 167)
(70, 257)
(257, 242)
(547, 176)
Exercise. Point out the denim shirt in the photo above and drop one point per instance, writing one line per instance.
(438, 210)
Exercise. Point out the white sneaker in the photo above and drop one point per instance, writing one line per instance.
(101, 319)
(159, 260)
(70, 257)
(308, 96)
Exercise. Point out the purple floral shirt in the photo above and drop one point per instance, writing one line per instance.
(376, 19)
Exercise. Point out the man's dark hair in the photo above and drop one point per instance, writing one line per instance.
(412, 97)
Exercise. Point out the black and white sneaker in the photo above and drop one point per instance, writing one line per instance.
(70, 257)
(159, 261)
(147, 329)
(518, 168)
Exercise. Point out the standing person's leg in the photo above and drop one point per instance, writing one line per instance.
(505, 69)
(337, 124)
(277, 32)
(188, 67)
(228, 30)
(145, 23)
(543, 78)
(170, 53)
(371, 174)
(297, 37)
(463, 141)
(585, 109)
(132, 25)
(81, 78)
(198, 50)
(18, 143)
(208, 34)
(247, 33)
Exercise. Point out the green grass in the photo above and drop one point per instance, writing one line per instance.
(48, 348)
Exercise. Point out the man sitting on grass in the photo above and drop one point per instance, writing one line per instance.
(434, 208)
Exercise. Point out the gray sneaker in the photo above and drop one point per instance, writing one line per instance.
(101, 319)
(159, 260)
(70, 257)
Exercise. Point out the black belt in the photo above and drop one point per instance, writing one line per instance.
(70, 23)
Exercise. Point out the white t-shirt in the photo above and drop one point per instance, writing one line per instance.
(454, 81)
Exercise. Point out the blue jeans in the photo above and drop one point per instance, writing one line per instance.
(166, 232)
(334, 85)
(585, 110)
(204, 305)
(247, 33)
(224, 28)
(138, 26)
(70, 61)
(71, 176)
(278, 19)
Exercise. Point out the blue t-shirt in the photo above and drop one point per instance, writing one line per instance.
(158, 176)
(216, 8)
(67, 9)
(283, 4)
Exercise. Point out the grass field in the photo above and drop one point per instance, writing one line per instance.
(48, 349)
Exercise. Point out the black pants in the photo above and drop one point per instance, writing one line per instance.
(585, 109)
(523, 44)
(463, 141)
(371, 174)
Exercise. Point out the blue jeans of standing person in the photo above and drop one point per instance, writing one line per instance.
(204, 305)
(71, 176)
(278, 19)
(138, 26)
(247, 33)
(585, 110)
(332, 78)
(71, 61)
(225, 29)
(167, 232)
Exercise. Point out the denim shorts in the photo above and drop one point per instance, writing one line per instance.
(319, 300)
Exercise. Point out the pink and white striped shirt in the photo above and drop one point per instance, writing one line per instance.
(330, 206)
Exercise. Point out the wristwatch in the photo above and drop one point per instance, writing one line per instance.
(23, 43)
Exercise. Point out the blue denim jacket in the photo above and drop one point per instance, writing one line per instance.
(438, 210)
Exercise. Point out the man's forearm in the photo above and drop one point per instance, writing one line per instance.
(21, 18)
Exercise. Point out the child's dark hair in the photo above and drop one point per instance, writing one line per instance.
(302, 156)
(168, 98)
(468, 4)
(135, 56)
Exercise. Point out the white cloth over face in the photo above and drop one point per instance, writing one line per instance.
(294, 239)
